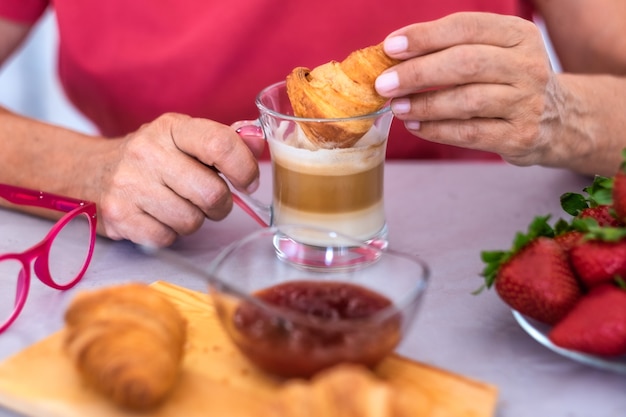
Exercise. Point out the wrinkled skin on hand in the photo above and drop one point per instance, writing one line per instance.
(477, 80)
(162, 180)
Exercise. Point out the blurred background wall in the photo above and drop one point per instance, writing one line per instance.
(29, 85)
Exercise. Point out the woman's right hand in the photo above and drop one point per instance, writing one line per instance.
(163, 180)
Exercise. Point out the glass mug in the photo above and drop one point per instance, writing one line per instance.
(335, 189)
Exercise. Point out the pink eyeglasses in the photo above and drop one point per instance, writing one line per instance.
(60, 259)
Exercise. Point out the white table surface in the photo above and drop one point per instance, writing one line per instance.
(446, 213)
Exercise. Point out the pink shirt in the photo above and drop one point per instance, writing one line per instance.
(123, 63)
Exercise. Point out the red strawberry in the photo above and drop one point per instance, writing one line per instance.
(534, 277)
(598, 262)
(603, 214)
(600, 256)
(538, 281)
(596, 325)
(569, 239)
(619, 191)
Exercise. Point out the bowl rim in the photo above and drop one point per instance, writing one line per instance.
(395, 309)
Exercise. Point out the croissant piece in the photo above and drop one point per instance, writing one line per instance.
(127, 342)
(345, 390)
(339, 90)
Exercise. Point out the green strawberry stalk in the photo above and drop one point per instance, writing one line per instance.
(597, 204)
(494, 259)
(598, 193)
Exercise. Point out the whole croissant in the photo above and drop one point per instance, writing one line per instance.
(127, 342)
(339, 90)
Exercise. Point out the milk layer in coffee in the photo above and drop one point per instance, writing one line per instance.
(337, 189)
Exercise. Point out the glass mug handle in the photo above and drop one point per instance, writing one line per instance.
(262, 213)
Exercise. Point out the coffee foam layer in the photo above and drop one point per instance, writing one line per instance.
(294, 153)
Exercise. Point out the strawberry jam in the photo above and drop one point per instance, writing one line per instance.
(325, 323)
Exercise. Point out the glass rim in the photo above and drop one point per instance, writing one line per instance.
(395, 309)
(264, 109)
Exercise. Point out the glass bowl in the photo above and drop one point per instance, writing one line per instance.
(294, 320)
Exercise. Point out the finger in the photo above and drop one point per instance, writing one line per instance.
(175, 204)
(457, 29)
(140, 228)
(462, 102)
(218, 146)
(492, 135)
(181, 215)
(161, 175)
(148, 231)
(198, 191)
(155, 216)
(255, 144)
(461, 65)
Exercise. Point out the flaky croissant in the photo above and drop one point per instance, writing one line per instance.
(127, 342)
(345, 390)
(339, 90)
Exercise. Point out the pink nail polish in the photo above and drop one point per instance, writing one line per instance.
(396, 44)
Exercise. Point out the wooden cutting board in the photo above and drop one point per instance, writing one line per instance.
(216, 380)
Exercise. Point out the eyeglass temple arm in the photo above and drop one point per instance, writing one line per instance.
(28, 197)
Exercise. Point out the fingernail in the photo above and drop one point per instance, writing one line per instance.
(396, 44)
(401, 106)
(413, 125)
(387, 82)
(253, 187)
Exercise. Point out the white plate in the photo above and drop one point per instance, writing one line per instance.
(539, 332)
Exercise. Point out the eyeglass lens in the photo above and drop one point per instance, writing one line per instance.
(67, 256)
(69, 250)
(9, 274)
